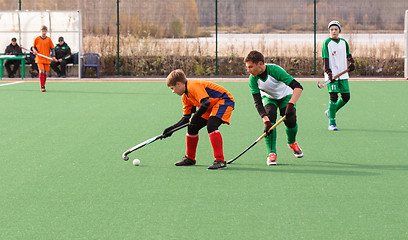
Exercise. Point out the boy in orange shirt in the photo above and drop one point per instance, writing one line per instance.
(43, 45)
(215, 105)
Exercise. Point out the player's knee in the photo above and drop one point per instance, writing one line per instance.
(213, 124)
(334, 97)
(211, 128)
(291, 121)
(345, 97)
(193, 129)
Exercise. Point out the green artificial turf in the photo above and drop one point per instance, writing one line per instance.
(62, 176)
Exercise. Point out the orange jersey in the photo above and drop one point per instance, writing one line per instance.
(220, 98)
(43, 47)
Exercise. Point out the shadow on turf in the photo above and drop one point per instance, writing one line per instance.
(364, 166)
(373, 130)
(278, 168)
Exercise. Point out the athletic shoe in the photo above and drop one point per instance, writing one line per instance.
(296, 150)
(185, 162)
(218, 164)
(333, 127)
(43, 89)
(327, 113)
(271, 159)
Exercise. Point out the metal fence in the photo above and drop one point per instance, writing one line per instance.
(216, 32)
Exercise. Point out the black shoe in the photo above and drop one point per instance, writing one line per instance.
(58, 74)
(64, 76)
(185, 162)
(11, 76)
(218, 164)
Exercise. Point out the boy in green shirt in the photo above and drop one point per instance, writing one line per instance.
(335, 54)
(273, 88)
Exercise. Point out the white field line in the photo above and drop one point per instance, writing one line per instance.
(11, 83)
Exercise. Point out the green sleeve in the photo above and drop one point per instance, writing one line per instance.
(347, 47)
(279, 74)
(253, 84)
(325, 51)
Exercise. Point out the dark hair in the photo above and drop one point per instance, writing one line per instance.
(14, 39)
(255, 57)
(60, 39)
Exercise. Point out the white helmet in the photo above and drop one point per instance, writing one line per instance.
(336, 23)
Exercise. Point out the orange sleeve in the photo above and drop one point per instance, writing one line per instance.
(35, 42)
(187, 105)
(51, 43)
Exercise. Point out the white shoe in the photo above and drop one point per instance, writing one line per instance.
(333, 127)
(271, 159)
(327, 113)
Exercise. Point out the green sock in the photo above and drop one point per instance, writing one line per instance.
(340, 103)
(271, 142)
(291, 134)
(332, 113)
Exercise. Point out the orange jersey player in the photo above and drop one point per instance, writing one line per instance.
(43, 45)
(215, 105)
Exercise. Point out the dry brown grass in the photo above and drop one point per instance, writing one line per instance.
(135, 46)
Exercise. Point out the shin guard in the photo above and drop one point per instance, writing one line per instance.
(191, 142)
(216, 143)
(41, 76)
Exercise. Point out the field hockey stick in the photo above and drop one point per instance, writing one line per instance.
(39, 54)
(148, 141)
(329, 80)
(257, 140)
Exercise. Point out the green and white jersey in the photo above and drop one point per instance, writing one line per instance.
(336, 52)
(275, 86)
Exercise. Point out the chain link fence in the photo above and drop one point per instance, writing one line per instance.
(210, 37)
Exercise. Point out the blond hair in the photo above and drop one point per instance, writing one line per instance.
(175, 76)
(44, 28)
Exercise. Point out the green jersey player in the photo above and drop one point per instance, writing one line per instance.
(335, 54)
(274, 89)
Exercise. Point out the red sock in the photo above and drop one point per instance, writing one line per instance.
(41, 75)
(216, 142)
(44, 77)
(192, 141)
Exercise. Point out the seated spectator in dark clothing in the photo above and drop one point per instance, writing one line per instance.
(63, 56)
(31, 60)
(12, 49)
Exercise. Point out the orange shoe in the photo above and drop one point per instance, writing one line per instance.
(297, 151)
(43, 89)
(271, 159)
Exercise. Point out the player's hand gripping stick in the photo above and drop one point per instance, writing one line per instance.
(148, 141)
(329, 80)
(39, 54)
